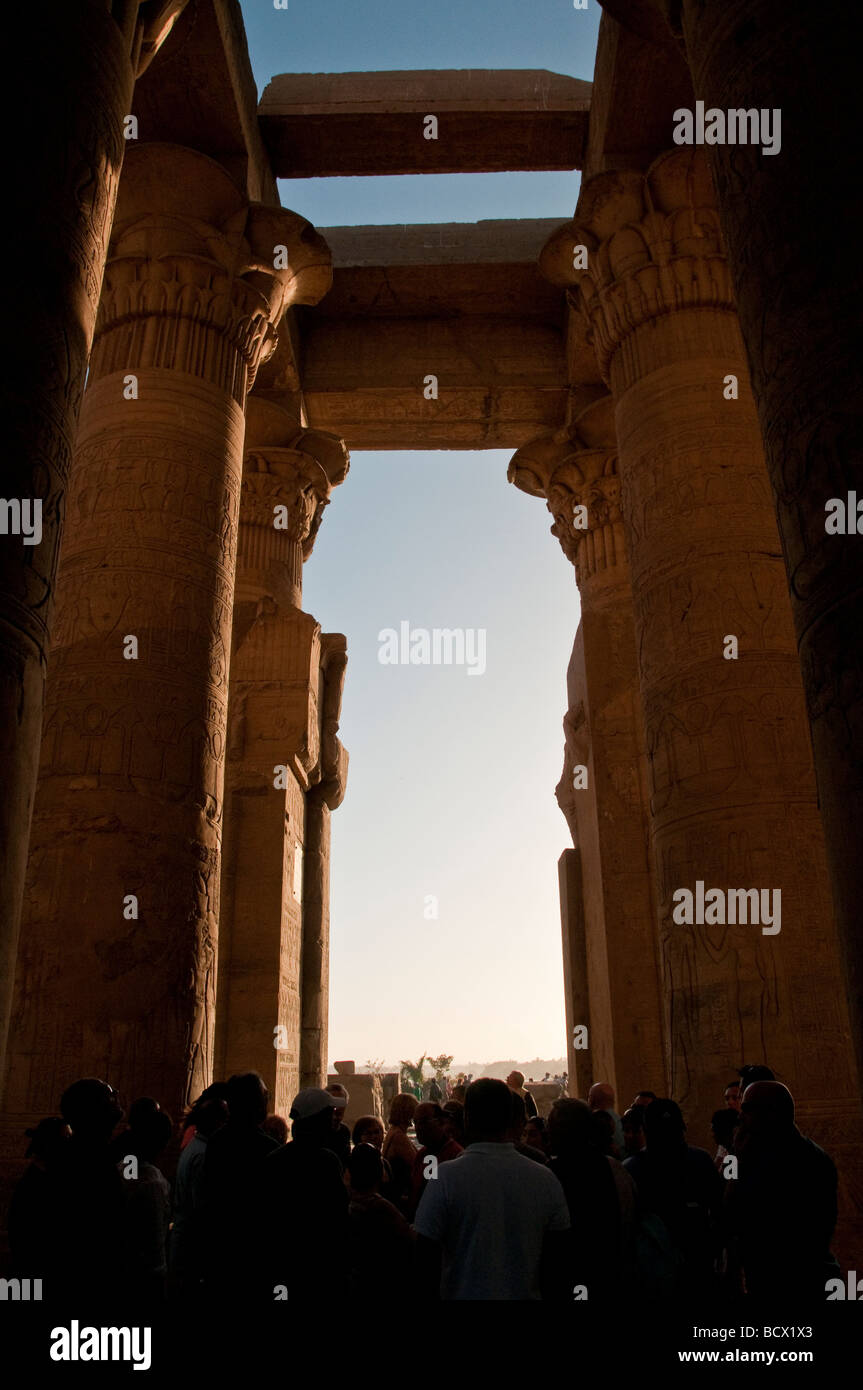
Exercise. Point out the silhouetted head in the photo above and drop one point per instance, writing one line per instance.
(430, 1125)
(664, 1127)
(751, 1073)
(316, 1114)
(515, 1080)
(454, 1120)
(403, 1109)
(602, 1130)
(767, 1110)
(90, 1109)
(487, 1111)
(723, 1123)
(368, 1130)
(568, 1126)
(210, 1110)
(149, 1131)
(47, 1139)
(536, 1133)
(247, 1099)
(633, 1128)
(601, 1096)
(733, 1095)
(340, 1092)
(643, 1099)
(277, 1128)
(365, 1168)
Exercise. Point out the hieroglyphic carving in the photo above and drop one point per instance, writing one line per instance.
(732, 796)
(130, 796)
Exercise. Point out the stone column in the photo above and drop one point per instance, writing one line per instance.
(65, 170)
(576, 999)
(733, 800)
(116, 971)
(323, 798)
(274, 751)
(793, 248)
(603, 790)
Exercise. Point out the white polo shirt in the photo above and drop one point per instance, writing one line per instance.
(489, 1210)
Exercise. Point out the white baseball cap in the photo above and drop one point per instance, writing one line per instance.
(312, 1101)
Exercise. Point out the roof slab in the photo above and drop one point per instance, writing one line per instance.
(352, 123)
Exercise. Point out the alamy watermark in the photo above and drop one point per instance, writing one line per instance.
(719, 906)
(735, 127)
(21, 516)
(439, 646)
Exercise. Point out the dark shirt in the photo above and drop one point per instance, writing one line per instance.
(682, 1187)
(339, 1143)
(594, 1212)
(782, 1211)
(381, 1247)
(306, 1205)
(230, 1215)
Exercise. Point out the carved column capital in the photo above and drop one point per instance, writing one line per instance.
(652, 246)
(198, 278)
(286, 486)
(576, 468)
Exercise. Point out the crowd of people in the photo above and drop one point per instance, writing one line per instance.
(474, 1197)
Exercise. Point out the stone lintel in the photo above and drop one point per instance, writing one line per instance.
(463, 302)
(348, 123)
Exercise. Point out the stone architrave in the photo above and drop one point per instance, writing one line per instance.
(65, 174)
(274, 750)
(732, 792)
(116, 973)
(603, 790)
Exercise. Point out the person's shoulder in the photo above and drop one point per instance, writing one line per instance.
(700, 1157)
(818, 1157)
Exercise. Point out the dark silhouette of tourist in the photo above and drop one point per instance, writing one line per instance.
(147, 1208)
(754, 1072)
(723, 1126)
(230, 1186)
(86, 1259)
(186, 1256)
(733, 1095)
(678, 1187)
(368, 1130)
(632, 1122)
(515, 1082)
(600, 1099)
(600, 1197)
(340, 1139)
(305, 1206)
(781, 1210)
(380, 1238)
(398, 1150)
(454, 1112)
(515, 1132)
(535, 1135)
(277, 1128)
(493, 1225)
(32, 1217)
(434, 1137)
(643, 1099)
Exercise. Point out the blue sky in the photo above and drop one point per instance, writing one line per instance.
(452, 776)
